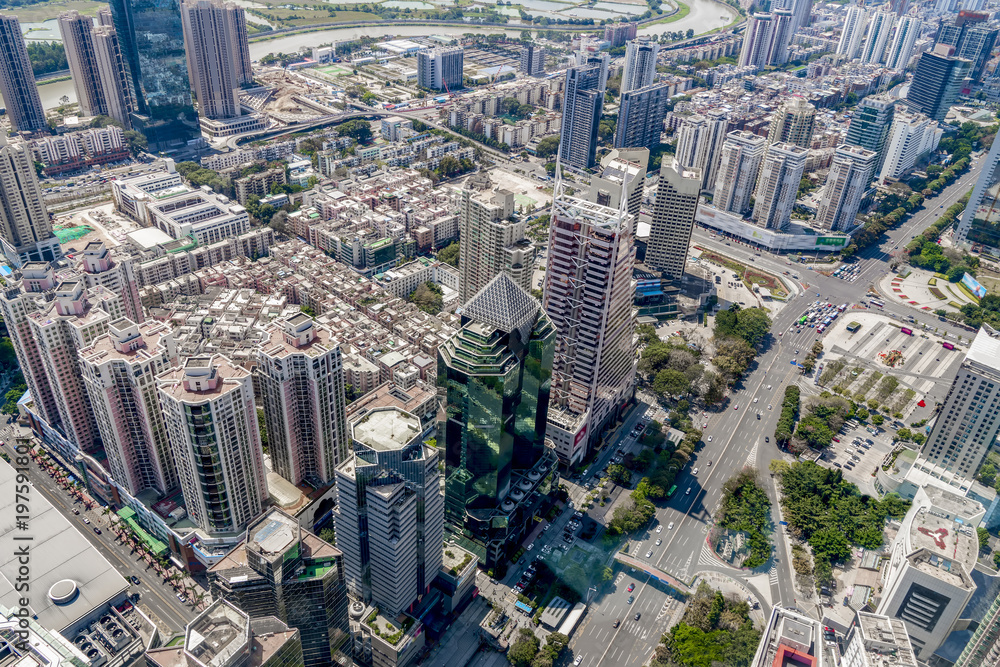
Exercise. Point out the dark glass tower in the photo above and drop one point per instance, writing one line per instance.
(871, 123)
(152, 43)
(497, 372)
(937, 82)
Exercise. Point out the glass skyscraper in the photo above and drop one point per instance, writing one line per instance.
(497, 373)
(152, 42)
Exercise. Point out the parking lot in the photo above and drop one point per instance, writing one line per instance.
(857, 450)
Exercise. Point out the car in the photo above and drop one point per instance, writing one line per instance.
(659, 541)
(767, 439)
(755, 400)
(736, 407)
(758, 415)
(530, 547)
(670, 526)
(659, 529)
(181, 598)
(710, 438)
(704, 425)
(836, 464)
(709, 462)
(86, 520)
(649, 554)
(796, 351)
(76, 511)
(769, 407)
(637, 615)
(694, 472)
(631, 599)
(688, 492)
(617, 622)
(134, 579)
(547, 526)
(631, 587)
(836, 439)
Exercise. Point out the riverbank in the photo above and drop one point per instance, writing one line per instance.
(54, 79)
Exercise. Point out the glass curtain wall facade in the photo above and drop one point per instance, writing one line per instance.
(151, 36)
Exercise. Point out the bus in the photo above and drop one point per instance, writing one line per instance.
(803, 319)
(672, 491)
(905, 330)
(948, 346)
(876, 303)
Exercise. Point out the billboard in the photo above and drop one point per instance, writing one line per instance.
(836, 241)
(974, 286)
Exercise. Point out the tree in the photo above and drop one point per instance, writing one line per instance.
(830, 545)
(548, 146)
(136, 142)
(619, 474)
(671, 382)
(449, 254)
(984, 538)
(47, 57)
(523, 651)
(428, 297)
(358, 129)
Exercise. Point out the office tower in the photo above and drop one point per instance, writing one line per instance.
(937, 82)
(983, 648)
(966, 427)
(699, 144)
(72, 321)
(640, 116)
(972, 38)
(282, 570)
(25, 229)
(778, 185)
(17, 302)
(901, 49)
(739, 164)
(532, 60)
(17, 81)
(979, 221)
(78, 39)
(390, 511)
(211, 419)
(846, 184)
(118, 97)
(880, 24)
(115, 271)
(301, 384)
(223, 636)
(151, 38)
(852, 31)
(782, 27)
(793, 123)
(493, 241)
(927, 580)
(583, 101)
(496, 374)
(119, 372)
(870, 125)
(792, 638)
(619, 33)
(588, 297)
(211, 35)
(673, 218)
(878, 641)
(911, 136)
(640, 64)
(757, 42)
(441, 69)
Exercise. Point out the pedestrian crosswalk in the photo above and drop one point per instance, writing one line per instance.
(706, 557)
(772, 575)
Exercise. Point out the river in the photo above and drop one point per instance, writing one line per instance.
(704, 15)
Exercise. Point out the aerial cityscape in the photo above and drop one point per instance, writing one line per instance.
(644, 333)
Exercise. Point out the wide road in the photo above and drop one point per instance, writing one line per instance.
(738, 436)
(156, 598)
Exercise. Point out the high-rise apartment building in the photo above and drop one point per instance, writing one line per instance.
(640, 116)
(619, 33)
(211, 34)
(284, 571)
(17, 80)
(72, 321)
(756, 42)
(301, 381)
(493, 241)
(911, 136)
(852, 31)
(793, 123)
(966, 426)
(532, 60)
(441, 69)
(972, 38)
(211, 421)
(588, 298)
(78, 39)
(151, 37)
(25, 228)
(118, 97)
(878, 641)
(980, 223)
(623, 174)
(880, 24)
(390, 511)
(119, 372)
(496, 374)
(870, 125)
(583, 101)
(937, 82)
(983, 648)
(99, 265)
(640, 64)
(901, 49)
(739, 164)
(782, 28)
(778, 185)
(673, 219)
(699, 144)
(846, 184)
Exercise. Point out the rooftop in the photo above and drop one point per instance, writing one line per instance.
(172, 383)
(387, 429)
(985, 348)
(884, 641)
(221, 632)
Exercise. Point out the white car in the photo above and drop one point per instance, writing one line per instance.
(769, 387)
(694, 472)
(659, 529)
(710, 438)
(755, 400)
(578, 660)
(530, 547)
(670, 526)
(659, 541)
(649, 554)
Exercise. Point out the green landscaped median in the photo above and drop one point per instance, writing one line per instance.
(158, 548)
